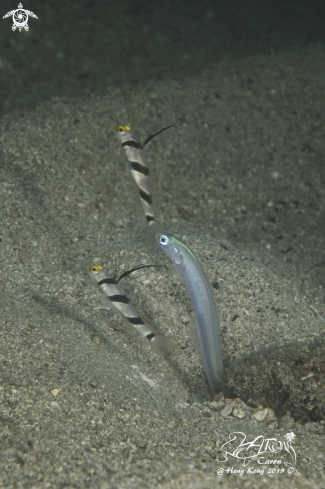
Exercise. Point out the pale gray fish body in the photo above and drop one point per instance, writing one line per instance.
(139, 171)
(119, 301)
(206, 315)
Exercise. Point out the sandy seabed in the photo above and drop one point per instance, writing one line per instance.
(241, 180)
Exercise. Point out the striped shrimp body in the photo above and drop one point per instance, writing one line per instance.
(207, 329)
(119, 301)
(138, 168)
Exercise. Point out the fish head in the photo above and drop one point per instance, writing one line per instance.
(122, 133)
(170, 245)
(94, 272)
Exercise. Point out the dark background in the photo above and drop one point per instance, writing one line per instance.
(79, 47)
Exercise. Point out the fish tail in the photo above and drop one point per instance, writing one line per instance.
(163, 345)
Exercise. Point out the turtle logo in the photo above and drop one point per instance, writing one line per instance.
(20, 18)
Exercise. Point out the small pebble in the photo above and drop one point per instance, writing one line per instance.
(55, 392)
(260, 415)
(239, 413)
(95, 339)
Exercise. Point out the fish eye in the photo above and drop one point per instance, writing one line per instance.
(163, 240)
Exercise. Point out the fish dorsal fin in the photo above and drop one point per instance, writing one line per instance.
(150, 138)
(134, 269)
(195, 338)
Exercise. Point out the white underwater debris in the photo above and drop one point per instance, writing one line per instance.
(144, 377)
